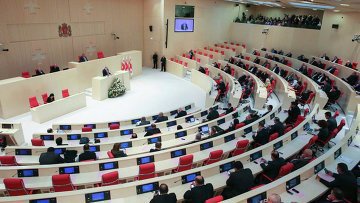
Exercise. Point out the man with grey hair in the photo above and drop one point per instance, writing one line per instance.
(274, 198)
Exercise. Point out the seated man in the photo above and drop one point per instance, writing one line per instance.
(262, 135)
(143, 121)
(216, 131)
(304, 159)
(251, 117)
(163, 196)
(276, 69)
(157, 147)
(333, 95)
(154, 130)
(239, 181)
(227, 69)
(50, 157)
(348, 64)
(336, 196)
(305, 95)
(199, 192)
(331, 122)
(257, 60)
(278, 127)
(269, 109)
(202, 70)
(216, 65)
(228, 109)
(325, 57)
(242, 79)
(293, 113)
(271, 168)
(274, 198)
(106, 72)
(181, 113)
(83, 58)
(231, 60)
(213, 114)
(59, 141)
(352, 79)
(323, 131)
(161, 118)
(289, 55)
(87, 154)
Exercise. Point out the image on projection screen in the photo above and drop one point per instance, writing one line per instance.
(184, 25)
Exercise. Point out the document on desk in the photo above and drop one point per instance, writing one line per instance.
(326, 177)
(345, 159)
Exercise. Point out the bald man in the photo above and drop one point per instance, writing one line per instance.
(304, 159)
(274, 198)
(199, 192)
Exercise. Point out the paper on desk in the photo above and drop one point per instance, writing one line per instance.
(326, 177)
(345, 159)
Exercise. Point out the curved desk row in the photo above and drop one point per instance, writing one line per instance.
(227, 52)
(175, 68)
(207, 84)
(202, 60)
(192, 64)
(233, 46)
(344, 71)
(216, 55)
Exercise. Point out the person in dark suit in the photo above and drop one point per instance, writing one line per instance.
(50, 157)
(253, 69)
(155, 60)
(163, 196)
(336, 196)
(331, 122)
(262, 135)
(325, 57)
(348, 64)
(83, 58)
(54, 68)
(106, 72)
(50, 98)
(257, 60)
(191, 54)
(87, 154)
(143, 121)
(157, 147)
(39, 72)
(333, 95)
(213, 114)
(199, 192)
(278, 127)
(323, 131)
(163, 64)
(215, 131)
(181, 113)
(352, 79)
(239, 181)
(293, 113)
(289, 55)
(154, 130)
(117, 152)
(335, 60)
(228, 109)
(59, 142)
(202, 70)
(242, 79)
(344, 180)
(269, 109)
(271, 168)
(161, 118)
(304, 159)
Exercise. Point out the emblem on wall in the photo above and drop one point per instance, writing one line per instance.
(126, 65)
(64, 30)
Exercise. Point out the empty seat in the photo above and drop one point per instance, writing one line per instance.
(239, 125)
(185, 163)
(341, 125)
(44, 97)
(16, 187)
(215, 199)
(273, 136)
(110, 154)
(111, 178)
(8, 161)
(100, 54)
(65, 93)
(146, 171)
(62, 183)
(33, 102)
(37, 142)
(114, 126)
(241, 147)
(214, 157)
(86, 129)
(25, 74)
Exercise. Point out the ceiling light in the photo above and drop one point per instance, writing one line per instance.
(336, 11)
(311, 5)
(344, 5)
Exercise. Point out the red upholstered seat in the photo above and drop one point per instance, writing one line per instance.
(100, 55)
(354, 65)
(33, 102)
(284, 170)
(306, 111)
(44, 97)
(336, 114)
(241, 147)
(86, 129)
(62, 183)
(185, 163)
(299, 120)
(240, 125)
(16, 187)
(311, 142)
(65, 93)
(8, 161)
(114, 126)
(214, 157)
(336, 72)
(146, 171)
(37, 142)
(110, 154)
(273, 136)
(341, 125)
(111, 178)
(287, 129)
(215, 199)
(25, 74)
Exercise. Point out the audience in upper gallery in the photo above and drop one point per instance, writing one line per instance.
(331, 69)
(352, 79)
(134, 136)
(162, 196)
(161, 118)
(325, 57)
(303, 159)
(152, 131)
(274, 198)
(348, 64)
(344, 180)
(87, 155)
(83, 58)
(50, 98)
(143, 121)
(333, 95)
(50, 157)
(199, 192)
(261, 137)
(331, 122)
(335, 196)
(181, 113)
(323, 131)
(202, 70)
(59, 141)
(293, 113)
(228, 109)
(239, 181)
(313, 62)
(117, 152)
(157, 147)
(278, 127)
(271, 168)
(213, 114)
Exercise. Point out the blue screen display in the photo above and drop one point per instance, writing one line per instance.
(109, 166)
(148, 187)
(100, 135)
(74, 137)
(154, 140)
(229, 138)
(155, 117)
(69, 170)
(145, 160)
(178, 153)
(255, 156)
(94, 148)
(98, 196)
(206, 145)
(221, 121)
(191, 177)
(227, 166)
(126, 132)
(124, 145)
(173, 112)
(42, 201)
(47, 137)
(205, 129)
(23, 151)
(60, 151)
(65, 127)
(256, 199)
(28, 173)
(135, 121)
(147, 128)
(294, 135)
(180, 134)
(171, 123)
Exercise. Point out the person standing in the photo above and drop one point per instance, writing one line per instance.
(163, 63)
(155, 60)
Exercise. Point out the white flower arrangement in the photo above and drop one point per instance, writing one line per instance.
(116, 89)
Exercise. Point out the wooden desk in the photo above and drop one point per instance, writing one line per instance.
(58, 108)
(101, 85)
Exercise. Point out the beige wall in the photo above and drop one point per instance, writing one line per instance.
(30, 31)
(315, 42)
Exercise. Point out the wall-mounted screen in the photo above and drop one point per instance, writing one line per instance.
(184, 25)
(184, 11)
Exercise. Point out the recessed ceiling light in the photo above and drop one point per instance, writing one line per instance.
(336, 11)
(311, 5)
(344, 5)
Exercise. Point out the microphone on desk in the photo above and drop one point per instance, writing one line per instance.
(178, 181)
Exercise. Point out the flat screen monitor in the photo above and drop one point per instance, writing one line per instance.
(184, 11)
(257, 198)
(292, 183)
(206, 145)
(126, 132)
(189, 178)
(49, 200)
(65, 127)
(135, 121)
(221, 121)
(28, 173)
(255, 155)
(154, 140)
(227, 166)
(181, 134)
(60, 150)
(145, 160)
(92, 126)
(147, 128)
(97, 196)
(23, 152)
(188, 107)
(204, 129)
(177, 153)
(7, 126)
(248, 130)
(108, 166)
(74, 137)
(113, 123)
(173, 112)
(228, 138)
(319, 167)
(190, 119)
(150, 187)
(204, 113)
(278, 145)
(95, 148)
(47, 137)
(170, 124)
(69, 170)
(101, 135)
(337, 153)
(294, 135)
(125, 145)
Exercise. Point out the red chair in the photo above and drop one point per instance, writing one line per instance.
(207, 72)
(306, 111)
(308, 101)
(185, 163)
(25, 75)
(33, 102)
(336, 72)
(44, 97)
(288, 129)
(222, 53)
(214, 157)
(310, 71)
(211, 49)
(332, 135)
(172, 59)
(215, 199)
(111, 178)
(340, 61)
(273, 136)
(232, 72)
(198, 60)
(62, 183)
(183, 55)
(289, 64)
(200, 52)
(336, 114)
(110, 154)
(65, 93)
(180, 62)
(299, 120)
(205, 54)
(8, 161)
(211, 56)
(16, 187)
(217, 51)
(37, 142)
(284, 170)
(311, 143)
(185, 64)
(241, 147)
(239, 125)
(146, 171)
(114, 126)
(100, 55)
(341, 125)
(86, 129)
(354, 65)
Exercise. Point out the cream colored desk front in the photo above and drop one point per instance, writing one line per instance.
(175, 68)
(101, 85)
(58, 108)
(206, 84)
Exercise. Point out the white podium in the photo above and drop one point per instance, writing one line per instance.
(101, 85)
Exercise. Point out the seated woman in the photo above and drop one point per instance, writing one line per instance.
(50, 98)
(117, 152)
(323, 131)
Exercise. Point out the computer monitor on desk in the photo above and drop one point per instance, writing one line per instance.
(257, 198)
(189, 178)
(47, 137)
(97, 196)
(140, 189)
(65, 127)
(126, 132)
(48, 200)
